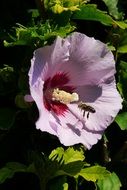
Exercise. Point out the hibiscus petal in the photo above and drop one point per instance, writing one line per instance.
(84, 59)
(93, 60)
(45, 59)
(70, 131)
(89, 93)
(89, 60)
(106, 105)
(68, 137)
(91, 130)
(43, 122)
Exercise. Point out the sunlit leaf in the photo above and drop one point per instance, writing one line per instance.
(113, 9)
(111, 48)
(59, 6)
(90, 12)
(72, 155)
(111, 182)
(69, 155)
(94, 173)
(122, 49)
(65, 186)
(37, 35)
(121, 24)
(70, 161)
(57, 154)
(121, 120)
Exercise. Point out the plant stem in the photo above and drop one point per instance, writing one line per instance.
(41, 8)
(106, 157)
(42, 185)
(76, 187)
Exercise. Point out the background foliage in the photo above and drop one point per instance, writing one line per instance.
(35, 160)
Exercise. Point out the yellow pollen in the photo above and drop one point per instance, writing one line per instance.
(64, 97)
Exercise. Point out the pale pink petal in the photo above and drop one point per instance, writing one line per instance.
(70, 130)
(91, 130)
(43, 122)
(107, 105)
(90, 57)
(69, 137)
(89, 93)
(88, 64)
(45, 59)
(89, 61)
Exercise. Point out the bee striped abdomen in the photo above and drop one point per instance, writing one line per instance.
(86, 108)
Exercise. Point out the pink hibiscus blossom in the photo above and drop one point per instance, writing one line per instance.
(73, 84)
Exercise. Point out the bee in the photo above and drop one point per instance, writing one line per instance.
(86, 108)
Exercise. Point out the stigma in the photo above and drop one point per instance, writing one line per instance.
(64, 97)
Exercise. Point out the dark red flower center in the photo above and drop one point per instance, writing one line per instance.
(60, 81)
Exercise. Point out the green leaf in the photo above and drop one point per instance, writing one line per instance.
(122, 49)
(5, 173)
(7, 118)
(21, 103)
(111, 182)
(10, 169)
(38, 35)
(65, 186)
(122, 79)
(6, 73)
(73, 168)
(122, 41)
(69, 155)
(34, 12)
(111, 47)
(123, 66)
(90, 12)
(121, 120)
(59, 6)
(16, 167)
(72, 155)
(113, 9)
(70, 161)
(121, 24)
(57, 154)
(44, 168)
(94, 173)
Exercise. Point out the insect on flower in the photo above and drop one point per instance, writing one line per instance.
(70, 78)
(86, 108)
